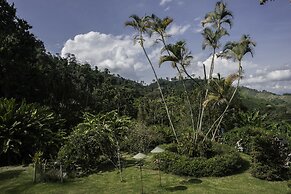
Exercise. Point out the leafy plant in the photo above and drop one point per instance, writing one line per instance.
(93, 142)
(269, 154)
(26, 128)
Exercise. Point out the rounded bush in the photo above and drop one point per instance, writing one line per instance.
(219, 165)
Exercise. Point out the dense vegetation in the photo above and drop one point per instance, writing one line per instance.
(86, 117)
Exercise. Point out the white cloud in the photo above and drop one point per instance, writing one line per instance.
(167, 2)
(270, 76)
(117, 53)
(222, 66)
(167, 8)
(198, 26)
(261, 77)
(177, 29)
(279, 75)
(164, 2)
(197, 19)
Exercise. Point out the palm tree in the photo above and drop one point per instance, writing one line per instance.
(211, 39)
(219, 93)
(159, 26)
(179, 54)
(220, 16)
(236, 51)
(219, 90)
(142, 25)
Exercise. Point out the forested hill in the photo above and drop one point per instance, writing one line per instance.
(279, 106)
(69, 88)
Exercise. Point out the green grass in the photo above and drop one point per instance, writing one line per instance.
(19, 180)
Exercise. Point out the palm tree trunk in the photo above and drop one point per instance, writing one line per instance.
(161, 92)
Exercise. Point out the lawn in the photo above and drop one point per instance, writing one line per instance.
(19, 180)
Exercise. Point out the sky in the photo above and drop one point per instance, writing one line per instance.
(94, 31)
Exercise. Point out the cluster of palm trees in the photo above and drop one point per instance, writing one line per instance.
(180, 57)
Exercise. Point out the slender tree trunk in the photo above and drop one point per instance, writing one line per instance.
(206, 92)
(159, 87)
(185, 89)
(119, 161)
(185, 71)
(228, 104)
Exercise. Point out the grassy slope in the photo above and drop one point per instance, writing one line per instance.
(19, 180)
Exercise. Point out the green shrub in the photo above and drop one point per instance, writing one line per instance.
(246, 134)
(188, 147)
(269, 154)
(219, 165)
(94, 142)
(90, 144)
(142, 138)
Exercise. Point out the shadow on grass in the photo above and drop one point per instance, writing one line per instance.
(245, 166)
(192, 181)
(10, 174)
(130, 163)
(18, 188)
(176, 188)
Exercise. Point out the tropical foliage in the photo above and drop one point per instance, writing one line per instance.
(89, 117)
(93, 142)
(26, 128)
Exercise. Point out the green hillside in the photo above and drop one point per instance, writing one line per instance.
(278, 106)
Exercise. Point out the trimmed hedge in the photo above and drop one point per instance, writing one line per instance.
(219, 165)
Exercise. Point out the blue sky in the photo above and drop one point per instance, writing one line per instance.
(94, 31)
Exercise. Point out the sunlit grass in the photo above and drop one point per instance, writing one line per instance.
(19, 180)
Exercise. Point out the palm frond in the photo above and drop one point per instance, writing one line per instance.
(168, 58)
(230, 79)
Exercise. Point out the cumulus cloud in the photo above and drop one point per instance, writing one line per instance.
(177, 29)
(117, 53)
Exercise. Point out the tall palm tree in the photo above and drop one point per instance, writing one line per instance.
(179, 54)
(159, 26)
(142, 25)
(220, 16)
(236, 51)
